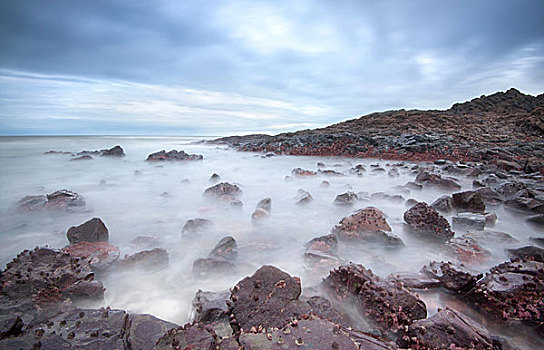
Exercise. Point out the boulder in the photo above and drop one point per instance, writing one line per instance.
(208, 267)
(265, 203)
(196, 227)
(115, 151)
(448, 329)
(435, 180)
(303, 197)
(426, 222)
(468, 201)
(417, 280)
(530, 253)
(93, 230)
(148, 260)
(388, 305)
(191, 336)
(173, 155)
(466, 250)
(469, 221)
(491, 237)
(143, 331)
(259, 215)
(456, 278)
(223, 189)
(325, 244)
(347, 199)
(330, 173)
(85, 157)
(443, 204)
(58, 200)
(489, 196)
(99, 255)
(215, 178)
(211, 307)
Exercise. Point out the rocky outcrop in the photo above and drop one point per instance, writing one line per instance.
(173, 155)
(116, 151)
(58, 200)
(223, 189)
(99, 255)
(426, 222)
(93, 230)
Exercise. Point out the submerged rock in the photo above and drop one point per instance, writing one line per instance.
(303, 197)
(196, 227)
(299, 172)
(85, 157)
(58, 200)
(150, 260)
(223, 189)
(116, 151)
(226, 248)
(349, 198)
(93, 230)
(99, 255)
(465, 249)
(435, 180)
(426, 222)
(173, 155)
(443, 204)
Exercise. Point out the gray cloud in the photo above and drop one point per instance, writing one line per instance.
(320, 61)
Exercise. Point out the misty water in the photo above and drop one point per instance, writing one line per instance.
(138, 198)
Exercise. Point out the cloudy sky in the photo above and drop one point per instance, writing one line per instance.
(236, 67)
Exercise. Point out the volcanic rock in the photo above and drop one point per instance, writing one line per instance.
(99, 255)
(425, 221)
(443, 204)
(58, 200)
(207, 267)
(93, 230)
(211, 307)
(468, 201)
(149, 260)
(466, 250)
(299, 172)
(531, 253)
(469, 221)
(226, 248)
(116, 151)
(435, 180)
(173, 155)
(417, 280)
(222, 189)
(455, 278)
(303, 197)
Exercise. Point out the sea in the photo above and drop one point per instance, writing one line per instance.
(135, 198)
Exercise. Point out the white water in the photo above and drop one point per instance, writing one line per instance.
(131, 205)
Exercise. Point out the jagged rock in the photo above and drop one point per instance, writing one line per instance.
(196, 227)
(116, 151)
(173, 155)
(467, 250)
(303, 197)
(347, 199)
(455, 278)
(226, 248)
(223, 189)
(527, 253)
(215, 178)
(150, 260)
(443, 204)
(211, 307)
(425, 221)
(99, 255)
(269, 298)
(265, 203)
(489, 196)
(325, 244)
(468, 201)
(469, 221)
(448, 329)
(58, 200)
(93, 230)
(299, 172)
(388, 305)
(195, 336)
(417, 280)
(435, 180)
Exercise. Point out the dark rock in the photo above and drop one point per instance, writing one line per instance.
(211, 307)
(324, 184)
(208, 267)
(85, 157)
(143, 331)
(491, 219)
(330, 173)
(269, 298)
(115, 151)
(226, 248)
(347, 199)
(466, 250)
(455, 278)
(303, 197)
(323, 308)
(537, 240)
(448, 329)
(325, 244)
(491, 237)
(99, 255)
(196, 227)
(173, 155)
(93, 230)
(382, 195)
(536, 219)
(426, 222)
(215, 178)
(435, 180)
(387, 304)
(195, 336)
(443, 204)
(468, 201)
(259, 215)
(299, 172)
(149, 260)
(509, 189)
(59, 200)
(468, 221)
(417, 280)
(530, 252)
(265, 203)
(489, 196)
(410, 202)
(10, 326)
(223, 189)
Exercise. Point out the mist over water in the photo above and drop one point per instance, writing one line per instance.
(138, 198)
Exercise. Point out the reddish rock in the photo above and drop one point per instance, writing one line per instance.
(529, 253)
(99, 255)
(116, 151)
(303, 197)
(93, 230)
(426, 222)
(299, 172)
(467, 250)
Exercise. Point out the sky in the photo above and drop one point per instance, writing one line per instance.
(135, 67)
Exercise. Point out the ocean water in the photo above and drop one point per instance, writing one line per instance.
(134, 198)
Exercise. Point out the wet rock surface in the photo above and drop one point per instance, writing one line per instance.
(531, 253)
(427, 222)
(211, 307)
(99, 255)
(150, 260)
(456, 278)
(468, 201)
(58, 200)
(469, 221)
(93, 230)
(173, 155)
(223, 189)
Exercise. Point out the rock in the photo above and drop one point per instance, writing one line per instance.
(330, 173)
(512, 291)
(347, 199)
(386, 304)
(324, 184)
(456, 278)
(443, 204)
(58, 200)
(259, 215)
(226, 248)
(538, 240)
(468, 201)
(207, 267)
(48, 277)
(509, 189)
(536, 219)
(145, 242)
(448, 329)
(10, 326)
(149, 260)
(265, 204)
(426, 222)
(490, 219)
(491, 237)
(435, 180)
(530, 253)
(173, 155)
(393, 173)
(467, 250)
(222, 189)
(303, 197)
(143, 331)
(85, 157)
(325, 244)
(269, 298)
(93, 230)
(196, 227)
(99, 255)
(236, 204)
(417, 280)
(413, 186)
(211, 307)
(115, 151)
(323, 308)
(468, 221)
(191, 336)
(489, 196)
(299, 172)
(382, 195)
(525, 205)
(215, 178)
(410, 202)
